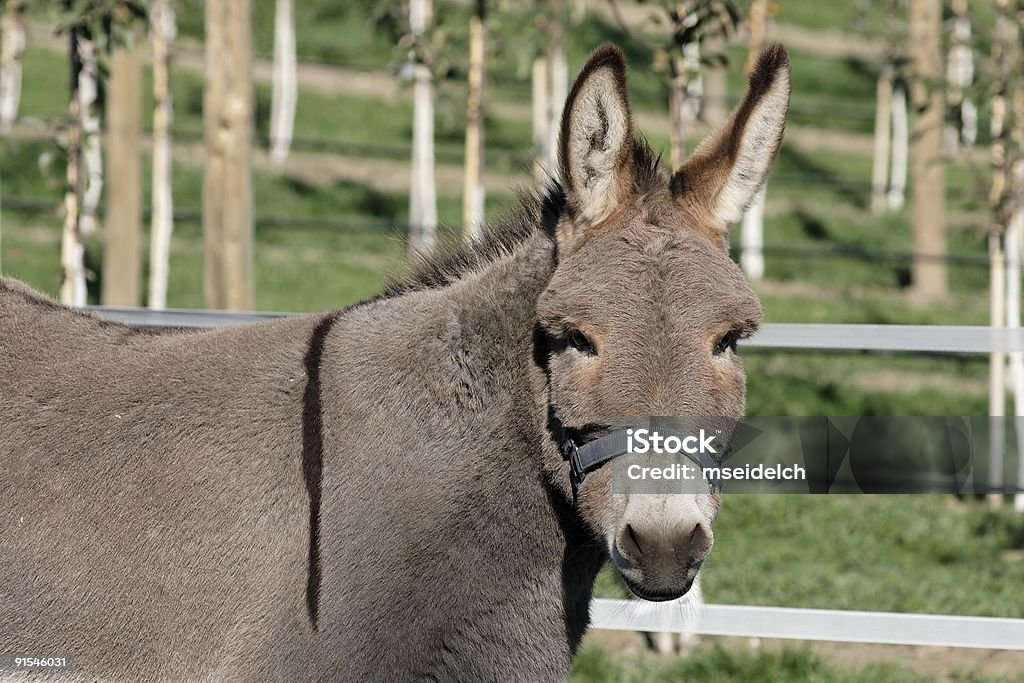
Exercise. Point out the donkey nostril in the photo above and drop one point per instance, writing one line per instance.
(634, 540)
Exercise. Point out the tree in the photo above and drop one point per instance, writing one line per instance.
(959, 76)
(84, 172)
(123, 232)
(550, 79)
(889, 167)
(473, 193)
(227, 182)
(12, 34)
(1006, 233)
(929, 267)
(162, 33)
(752, 229)
(423, 190)
(680, 59)
(283, 99)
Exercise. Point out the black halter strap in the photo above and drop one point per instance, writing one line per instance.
(594, 454)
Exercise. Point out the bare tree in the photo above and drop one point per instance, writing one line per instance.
(283, 98)
(122, 233)
(959, 77)
(12, 33)
(680, 60)
(752, 229)
(83, 182)
(162, 33)
(929, 221)
(889, 166)
(423, 189)
(227, 183)
(473, 194)
(550, 88)
(883, 135)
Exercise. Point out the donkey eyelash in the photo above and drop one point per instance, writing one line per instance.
(730, 340)
(580, 342)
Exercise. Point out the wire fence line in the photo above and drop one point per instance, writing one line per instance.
(745, 620)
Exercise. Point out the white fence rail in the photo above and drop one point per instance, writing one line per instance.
(748, 621)
(888, 628)
(961, 339)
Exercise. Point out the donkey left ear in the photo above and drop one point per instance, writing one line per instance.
(596, 140)
(729, 168)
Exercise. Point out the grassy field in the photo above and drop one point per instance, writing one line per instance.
(327, 237)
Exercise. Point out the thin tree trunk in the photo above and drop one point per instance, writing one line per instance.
(162, 32)
(473, 187)
(123, 231)
(752, 234)
(900, 146)
(676, 113)
(996, 368)
(1013, 299)
(72, 253)
(997, 252)
(557, 79)
(92, 143)
(423, 195)
(12, 28)
(960, 75)
(929, 219)
(542, 168)
(714, 104)
(880, 163)
(282, 110)
(227, 182)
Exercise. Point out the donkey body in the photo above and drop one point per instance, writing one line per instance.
(378, 493)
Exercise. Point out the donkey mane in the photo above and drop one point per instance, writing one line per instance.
(538, 212)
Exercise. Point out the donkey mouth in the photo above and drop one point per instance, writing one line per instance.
(659, 595)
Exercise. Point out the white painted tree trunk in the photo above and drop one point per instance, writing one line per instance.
(752, 230)
(996, 368)
(423, 190)
(542, 168)
(84, 172)
(1014, 235)
(473, 194)
(92, 148)
(960, 74)
(883, 135)
(163, 30)
(900, 145)
(12, 49)
(283, 100)
(557, 82)
(752, 239)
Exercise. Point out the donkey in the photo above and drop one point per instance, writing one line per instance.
(381, 493)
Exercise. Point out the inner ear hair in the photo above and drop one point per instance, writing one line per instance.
(728, 169)
(596, 138)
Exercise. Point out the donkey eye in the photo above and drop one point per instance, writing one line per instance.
(580, 342)
(727, 342)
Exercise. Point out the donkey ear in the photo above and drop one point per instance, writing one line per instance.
(596, 141)
(730, 167)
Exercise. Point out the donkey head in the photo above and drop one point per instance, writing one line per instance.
(645, 307)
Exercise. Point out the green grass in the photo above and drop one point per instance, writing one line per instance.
(720, 665)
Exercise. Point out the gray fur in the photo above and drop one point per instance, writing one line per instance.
(367, 494)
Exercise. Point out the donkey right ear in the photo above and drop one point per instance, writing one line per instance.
(596, 141)
(728, 169)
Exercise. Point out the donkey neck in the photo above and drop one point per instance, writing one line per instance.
(462, 481)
